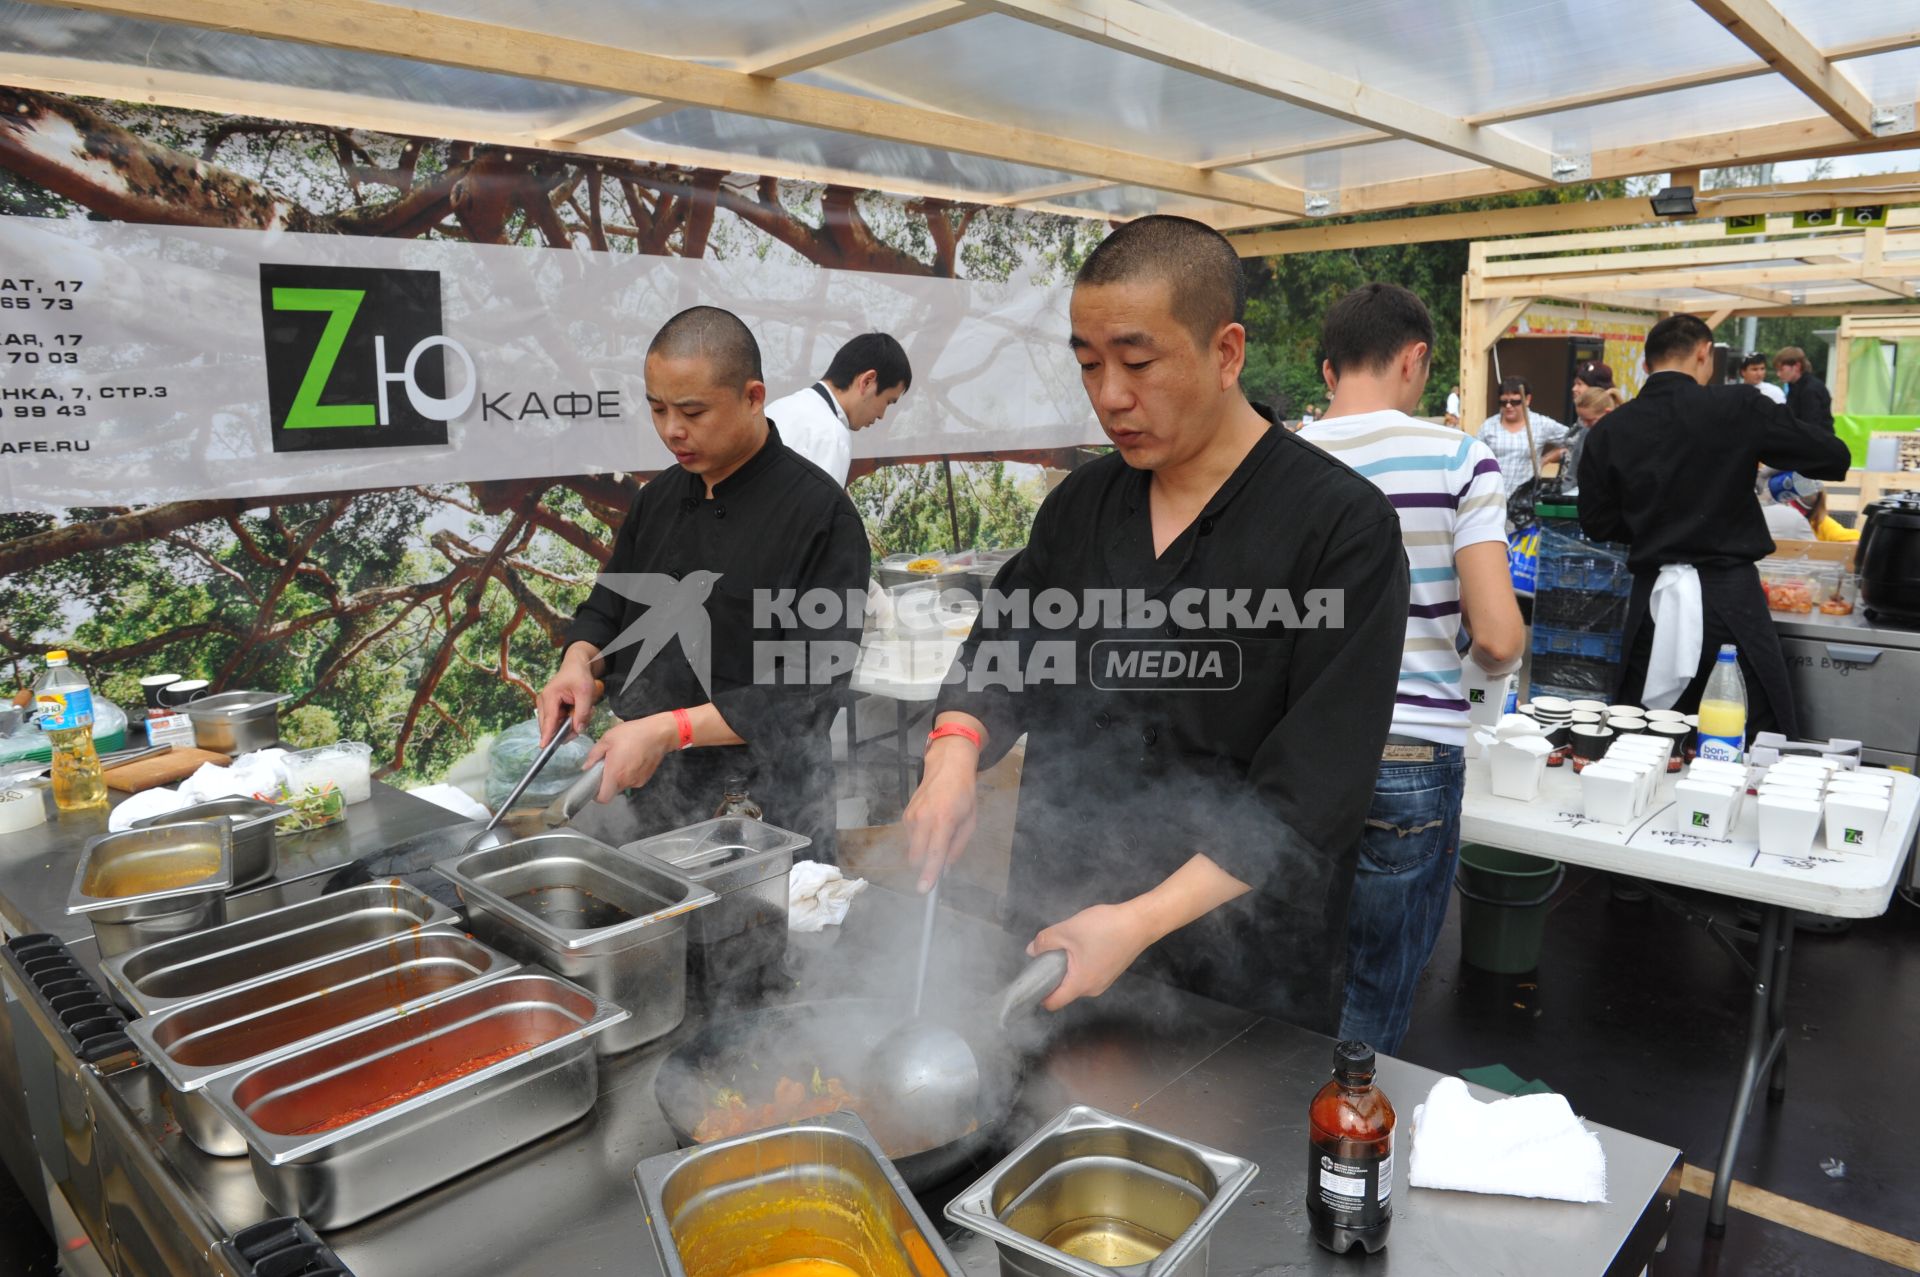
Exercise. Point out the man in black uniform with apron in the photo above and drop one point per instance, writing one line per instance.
(1201, 642)
(1671, 474)
(707, 571)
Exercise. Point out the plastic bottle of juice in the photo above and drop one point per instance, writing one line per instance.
(1723, 710)
(64, 705)
(1350, 1156)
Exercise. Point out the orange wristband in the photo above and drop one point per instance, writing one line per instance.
(955, 729)
(684, 721)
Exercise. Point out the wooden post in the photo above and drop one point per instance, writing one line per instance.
(1473, 360)
(1843, 343)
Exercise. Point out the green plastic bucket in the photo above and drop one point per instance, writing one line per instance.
(1504, 899)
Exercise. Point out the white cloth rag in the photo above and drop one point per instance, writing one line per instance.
(818, 896)
(1522, 1146)
(148, 802)
(454, 799)
(1678, 630)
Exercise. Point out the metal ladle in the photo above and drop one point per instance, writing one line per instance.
(929, 1070)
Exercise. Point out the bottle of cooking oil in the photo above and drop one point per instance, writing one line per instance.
(1350, 1156)
(736, 801)
(64, 705)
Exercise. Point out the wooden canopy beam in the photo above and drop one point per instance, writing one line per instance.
(1361, 137)
(368, 27)
(1186, 45)
(1762, 28)
(1789, 198)
(860, 37)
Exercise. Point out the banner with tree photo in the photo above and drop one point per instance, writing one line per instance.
(411, 596)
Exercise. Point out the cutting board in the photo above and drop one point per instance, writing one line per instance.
(162, 769)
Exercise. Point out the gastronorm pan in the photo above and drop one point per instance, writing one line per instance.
(252, 821)
(145, 885)
(614, 924)
(819, 1189)
(1091, 1195)
(188, 968)
(192, 1043)
(357, 1123)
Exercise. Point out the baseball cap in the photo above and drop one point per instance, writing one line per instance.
(1788, 486)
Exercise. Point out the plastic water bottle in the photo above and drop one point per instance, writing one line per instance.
(1723, 710)
(64, 705)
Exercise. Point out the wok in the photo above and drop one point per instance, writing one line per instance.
(750, 1053)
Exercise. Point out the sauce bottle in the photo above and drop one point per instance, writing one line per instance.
(1350, 1156)
(736, 801)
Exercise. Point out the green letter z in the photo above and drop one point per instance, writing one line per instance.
(307, 412)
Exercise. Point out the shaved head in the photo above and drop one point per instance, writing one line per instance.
(1194, 261)
(715, 335)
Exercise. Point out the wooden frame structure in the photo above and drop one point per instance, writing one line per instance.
(1885, 327)
(1697, 268)
(1371, 148)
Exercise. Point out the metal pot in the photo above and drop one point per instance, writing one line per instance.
(236, 722)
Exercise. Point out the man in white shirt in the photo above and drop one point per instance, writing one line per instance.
(1508, 435)
(1753, 371)
(1378, 343)
(866, 377)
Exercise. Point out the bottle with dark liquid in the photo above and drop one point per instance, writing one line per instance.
(736, 801)
(1350, 1156)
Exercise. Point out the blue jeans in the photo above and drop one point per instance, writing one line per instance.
(1400, 891)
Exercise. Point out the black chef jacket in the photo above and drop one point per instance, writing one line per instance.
(1270, 777)
(1671, 473)
(776, 523)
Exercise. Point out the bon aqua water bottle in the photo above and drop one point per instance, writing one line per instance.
(63, 703)
(1723, 710)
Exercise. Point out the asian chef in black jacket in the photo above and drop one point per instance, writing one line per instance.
(707, 570)
(1199, 816)
(1670, 473)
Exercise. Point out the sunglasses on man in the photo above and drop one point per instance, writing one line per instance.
(1510, 403)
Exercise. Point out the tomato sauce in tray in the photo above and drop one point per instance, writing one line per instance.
(438, 1078)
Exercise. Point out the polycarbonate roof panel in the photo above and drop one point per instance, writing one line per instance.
(1012, 72)
(163, 46)
(1827, 24)
(1468, 57)
(1713, 108)
(736, 135)
(1388, 161)
(1457, 57)
(721, 31)
(1889, 77)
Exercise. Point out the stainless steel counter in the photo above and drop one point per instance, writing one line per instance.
(567, 1204)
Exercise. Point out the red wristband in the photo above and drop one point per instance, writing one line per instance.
(684, 721)
(955, 729)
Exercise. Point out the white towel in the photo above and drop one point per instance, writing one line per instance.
(148, 802)
(1523, 1146)
(1674, 609)
(818, 896)
(260, 772)
(454, 799)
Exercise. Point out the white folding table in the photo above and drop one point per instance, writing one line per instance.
(1846, 885)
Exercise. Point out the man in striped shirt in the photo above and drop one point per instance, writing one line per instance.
(1446, 486)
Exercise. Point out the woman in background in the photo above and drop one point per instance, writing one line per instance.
(1589, 406)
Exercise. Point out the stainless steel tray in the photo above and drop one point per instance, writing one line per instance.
(197, 859)
(819, 1189)
(1142, 1200)
(189, 968)
(192, 1043)
(614, 923)
(337, 1177)
(747, 862)
(252, 820)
